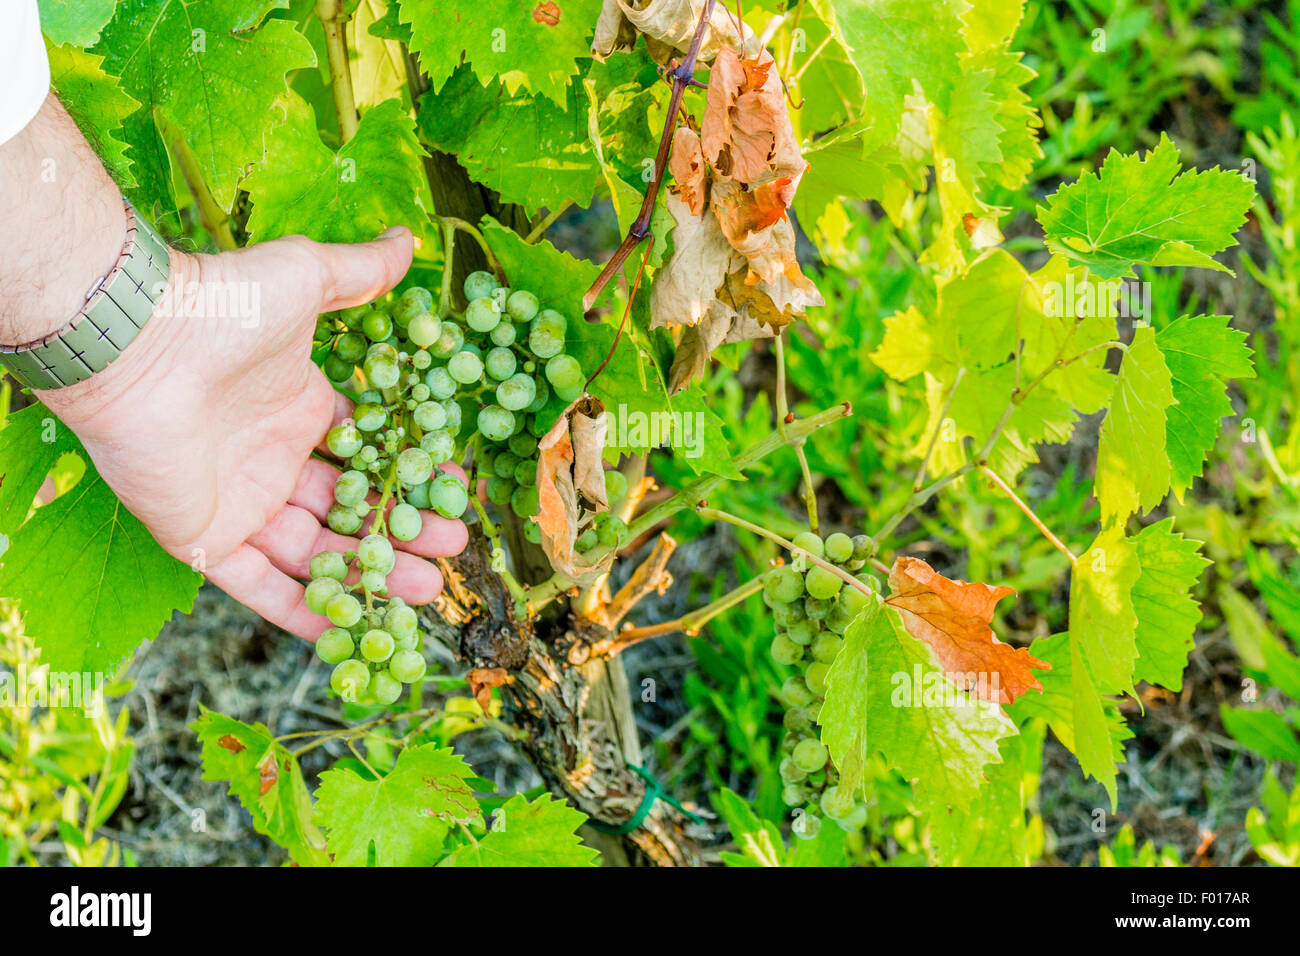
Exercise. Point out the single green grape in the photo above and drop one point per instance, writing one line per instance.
(353, 315)
(540, 398)
(401, 620)
(440, 445)
(810, 755)
(532, 532)
(452, 409)
(545, 343)
(343, 610)
(837, 802)
(816, 609)
(524, 502)
(523, 445)
(504, 335)
(404, 522)
(864, 546)
(337, 370)
(429, 416)
(796, 721)
(369, 417)
(414, 466)
(407, 666)
(483, 314)
(783, 615)
(790, 772)
(822, 584)
(785, 584)
(503, 464)
(320, 592)
(450, 340)
(414, 301)
(375, 552)
(343, 520)
(375, 582)
(853, 600)
(525, 473)
(424, 330)
(569, 393)
(479, 284)
(564, 372)
(856, 819)
(441, 385)
(815, 677)
(522, 305)
(328, 564)
(615, 486)
(516, 393)
(499, 490)
(785, 651)
(839, 547)
(334, 646)
(381, 371)
(343, 440)
(838, 620)
(377, 325)
(418, 497)
(793, 795)
(351, 348)
(501, 363)
(350, 679)
(448, 496)
(385, 688)
(587, 540)
(496, 422)
(803, 632)
(465, 367)
(351, 487)
(612, 530)
(795, 692)
(826, 645)
(811, 542)
(806, 826)
(377, 645)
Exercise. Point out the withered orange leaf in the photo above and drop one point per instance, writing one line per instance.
(953, 617)
(482, 680)
(687, 166)
(269, 772)
(571, 487)
(231, 742)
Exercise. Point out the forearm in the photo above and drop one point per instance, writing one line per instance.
(64, 225)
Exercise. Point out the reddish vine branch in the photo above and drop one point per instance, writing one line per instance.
(683, 76)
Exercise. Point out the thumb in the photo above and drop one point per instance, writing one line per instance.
(357, 273)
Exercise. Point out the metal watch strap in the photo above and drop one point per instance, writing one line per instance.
(116, 310)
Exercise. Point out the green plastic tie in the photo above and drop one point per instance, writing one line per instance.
(653, 792)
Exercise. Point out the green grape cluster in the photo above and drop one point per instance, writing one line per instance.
(811, 610)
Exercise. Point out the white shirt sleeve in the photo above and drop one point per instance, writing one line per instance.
(24, 67)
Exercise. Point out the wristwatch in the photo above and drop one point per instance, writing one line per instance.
(116, 309)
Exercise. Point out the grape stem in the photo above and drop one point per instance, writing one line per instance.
(640, 228)
(545, 592)
(716, 515)
(539, 230)
(690, 623)
(473, 232)
(213, 218)
(333, 16)
(493, 535)
(448, 268)
(1029, 513)
(783, 412)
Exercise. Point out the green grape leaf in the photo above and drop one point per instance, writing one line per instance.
(1263, 731)
(541, 833)
(1018, 122)
(265, 778)
(822, 75)
(886, 694)
(839, 168)
(557, 278)
(208, 71)
(1087, 724)
(526, 148)
(74, 22)
(90, 579)
(1077, 320)
(533, 45)
(897, 46)
(1143, 210)
(992, 833)
(96, 101)
(991, 24)
(1201, 352)
(406, 814)
(1133, 470)
(1102, 620)
(907, 347)
(374, 181)
(1167, 614)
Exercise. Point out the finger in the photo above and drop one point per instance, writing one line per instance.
(354, 274)
(249, 577)
(291, 538)
(315, 488)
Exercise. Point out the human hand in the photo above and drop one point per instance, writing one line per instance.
(204, 427)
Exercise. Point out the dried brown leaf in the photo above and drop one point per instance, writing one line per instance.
(953, 618)
(688, 169)
(668, 26)
(482, 680)
(571, 487)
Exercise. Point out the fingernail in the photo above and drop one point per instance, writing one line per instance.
(392, 231)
